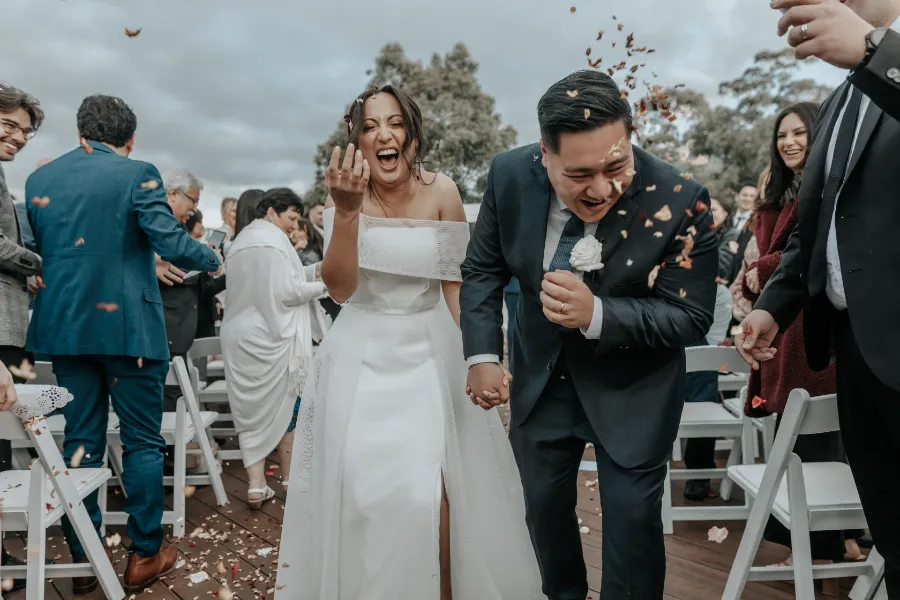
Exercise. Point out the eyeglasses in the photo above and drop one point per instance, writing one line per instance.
(193, 200)
(11, 128)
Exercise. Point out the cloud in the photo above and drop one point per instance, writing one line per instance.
(240, 93)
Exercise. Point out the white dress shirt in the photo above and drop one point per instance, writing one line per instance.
(558, 216)
(740, 219)
(834, 285)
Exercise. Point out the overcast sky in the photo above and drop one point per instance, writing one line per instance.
(241, 92)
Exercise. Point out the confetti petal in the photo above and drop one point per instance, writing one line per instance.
(132, 32)
(651, 279)
(150, 184)
(678, 188)
(108, 307)
(24, 371)
(587, 113)
(573, 93)
(717, 534)
(79, 242)
(664, 214)
(41, 202)
(757, 402)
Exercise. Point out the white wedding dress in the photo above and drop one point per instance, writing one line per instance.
(384, 414)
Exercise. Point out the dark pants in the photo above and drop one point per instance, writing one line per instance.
(869, 414)
(548, 448)
(136, 394)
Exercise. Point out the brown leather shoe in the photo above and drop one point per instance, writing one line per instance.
(144, 572)
(86, 585)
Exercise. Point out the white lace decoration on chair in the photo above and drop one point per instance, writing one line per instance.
(39, 400)
(452, 242)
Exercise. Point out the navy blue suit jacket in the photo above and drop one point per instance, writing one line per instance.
(97, 238)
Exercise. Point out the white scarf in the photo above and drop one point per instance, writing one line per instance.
(262, 233)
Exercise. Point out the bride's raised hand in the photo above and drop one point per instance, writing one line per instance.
(347, 185)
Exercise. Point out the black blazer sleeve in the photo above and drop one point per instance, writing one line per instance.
(680, 310)
(485, 274)
(785, 293)
(880, 78)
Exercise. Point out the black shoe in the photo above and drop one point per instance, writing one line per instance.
(865, 541)
(698, 490)
(11, 561)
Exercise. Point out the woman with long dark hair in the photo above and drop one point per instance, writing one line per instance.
(776, 217)
(393, 465)
(246, 209)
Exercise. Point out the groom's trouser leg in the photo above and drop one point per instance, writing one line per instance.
(634, 553)
(548, 451)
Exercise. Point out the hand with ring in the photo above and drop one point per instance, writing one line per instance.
(826, 29)
(567, 300)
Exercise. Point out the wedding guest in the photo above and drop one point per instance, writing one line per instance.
(745, 201)
(748, 250)
(267, 336)
(100, 316)
(776, 217)
(721, 211)
(21, 116)
(180, 293)
(245, 211)
(194, 225)
(839, 263)
(229, 216)
(315, 217)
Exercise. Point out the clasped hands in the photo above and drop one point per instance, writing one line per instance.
(566, 301)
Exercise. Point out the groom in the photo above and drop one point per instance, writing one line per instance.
(598, 353)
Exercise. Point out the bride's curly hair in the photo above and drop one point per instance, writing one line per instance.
(412, 123)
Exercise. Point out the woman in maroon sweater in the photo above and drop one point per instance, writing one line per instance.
(776, 217)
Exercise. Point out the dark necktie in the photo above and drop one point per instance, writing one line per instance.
(571, 235)
(836, 175)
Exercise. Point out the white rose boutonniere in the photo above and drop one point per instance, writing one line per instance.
(586, 254)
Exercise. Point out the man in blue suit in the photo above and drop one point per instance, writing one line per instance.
(100, 316)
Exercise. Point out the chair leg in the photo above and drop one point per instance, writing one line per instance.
(768, 435)
(668, 523)
(734, 459)
(676, 451)
(114, 457)
(800, 544)
(37, 533)
(865, 586)
(178, 498)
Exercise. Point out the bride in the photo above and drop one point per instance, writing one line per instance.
(401, 488)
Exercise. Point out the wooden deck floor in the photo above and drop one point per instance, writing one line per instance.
(233, 537)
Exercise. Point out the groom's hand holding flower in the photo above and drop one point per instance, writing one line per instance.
(567, 300)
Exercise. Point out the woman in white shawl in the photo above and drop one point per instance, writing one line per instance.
(267, 336)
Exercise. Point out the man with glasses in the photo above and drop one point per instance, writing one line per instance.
(20, 117)
(181, 293)
(100, 316)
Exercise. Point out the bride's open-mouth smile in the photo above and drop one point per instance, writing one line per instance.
(388, 158)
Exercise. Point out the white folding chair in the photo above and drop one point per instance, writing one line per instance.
(213, 395)
(811, 497)
(709, 420)
(764, 425)
(28, 505)
(728, 382)
(186, 424)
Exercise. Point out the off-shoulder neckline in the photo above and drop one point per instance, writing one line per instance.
(362, 214)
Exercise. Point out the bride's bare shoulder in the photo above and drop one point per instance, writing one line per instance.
(446, 195)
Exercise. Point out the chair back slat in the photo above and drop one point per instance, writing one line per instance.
(821, 414)
(11, 427)
(205, 347)
(714, 358)
(44, 372)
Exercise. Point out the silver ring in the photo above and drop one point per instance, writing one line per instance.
(804, 31)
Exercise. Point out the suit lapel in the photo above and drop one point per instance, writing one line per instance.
(869, 123)
(814, 172)
(536, 198)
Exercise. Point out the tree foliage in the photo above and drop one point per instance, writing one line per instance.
(461, 129)
(735, 136)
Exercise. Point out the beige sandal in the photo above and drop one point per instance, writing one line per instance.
(265, 494)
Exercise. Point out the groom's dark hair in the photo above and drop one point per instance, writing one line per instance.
(583, 101)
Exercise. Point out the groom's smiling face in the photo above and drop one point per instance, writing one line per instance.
(591, 170)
